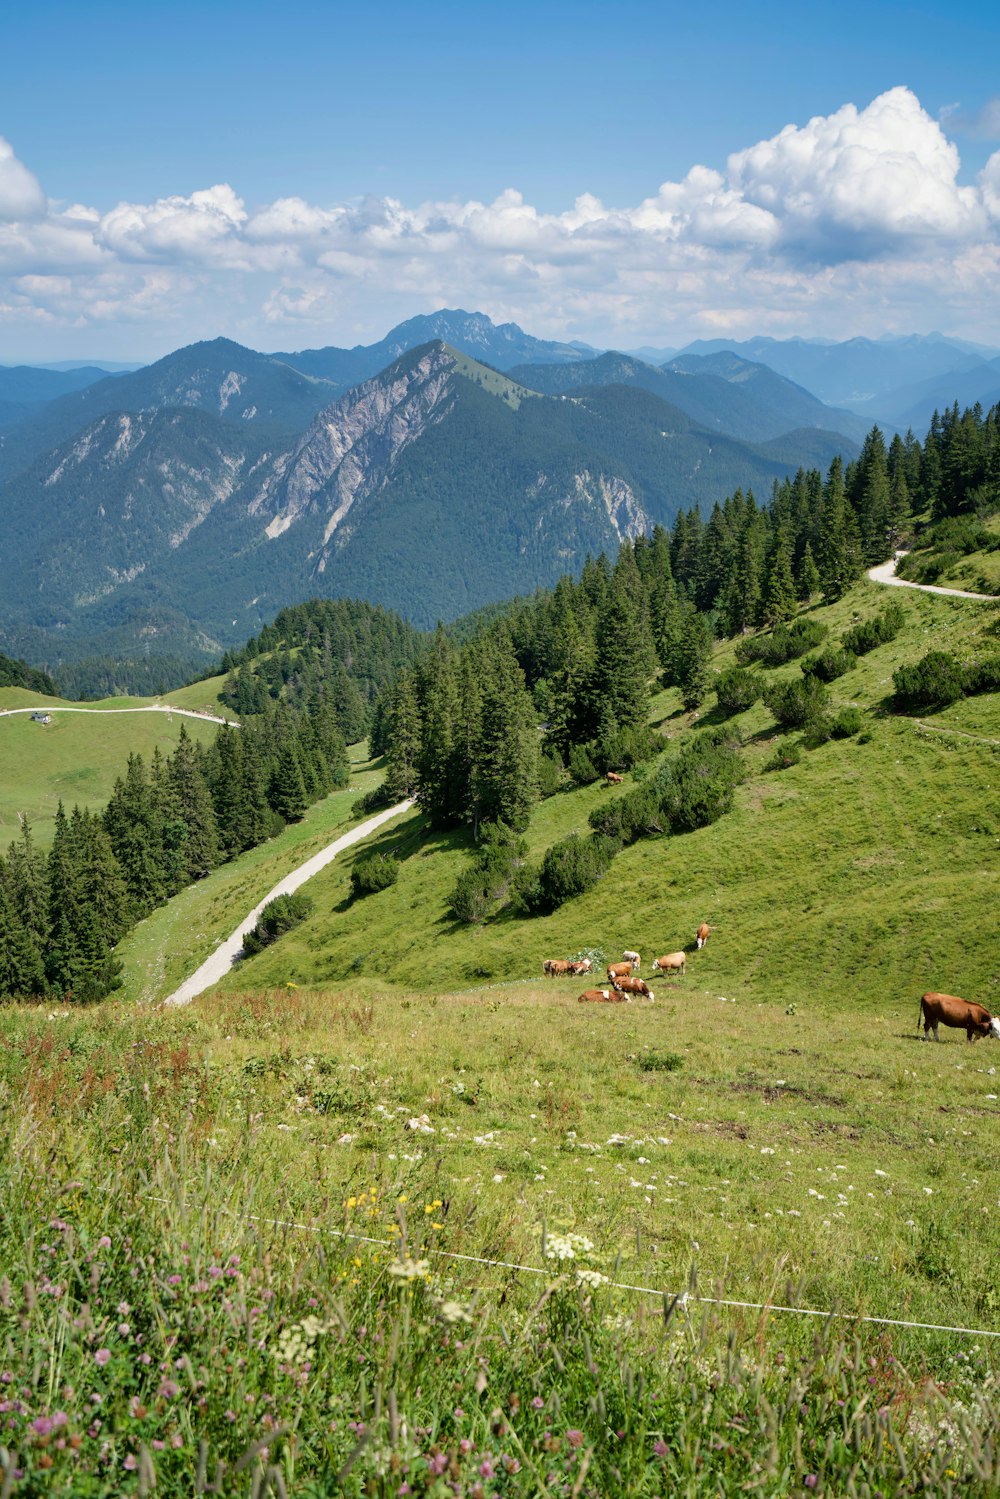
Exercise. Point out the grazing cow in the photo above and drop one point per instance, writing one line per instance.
(676, 960)
(701, 935)
(633, 958)
(963, 1014)
(619, 971)
(612, 778)
(601, 997)
(633, 986)
(580, 965)
(556, 968)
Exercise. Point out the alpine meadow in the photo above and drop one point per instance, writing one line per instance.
(499, 817)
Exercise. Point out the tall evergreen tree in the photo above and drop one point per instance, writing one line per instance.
(403, 756)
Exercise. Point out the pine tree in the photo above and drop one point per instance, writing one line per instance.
(693, 652)
(194, 801)
(808, 580)
(286, 792)
(440, 779)
(779, 602)
(504, 779)
(132, 822)
(403, 756)
(22, 972)
(63, 958)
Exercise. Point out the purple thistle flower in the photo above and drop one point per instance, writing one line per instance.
(102, 1356)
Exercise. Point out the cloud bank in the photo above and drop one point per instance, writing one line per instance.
(856, 221)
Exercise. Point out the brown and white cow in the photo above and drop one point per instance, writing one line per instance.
(963, 1014)
(673, 960)
(634, 959)
(701, 935)
(601, 997)
(556, 968)
(580, 965)
(619, 971)
(633, 986)
(613, 778)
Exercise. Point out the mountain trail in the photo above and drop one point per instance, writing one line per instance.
(221, 961)
(146, 708)
(886, 573)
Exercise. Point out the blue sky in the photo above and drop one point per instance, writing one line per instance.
(346, 107)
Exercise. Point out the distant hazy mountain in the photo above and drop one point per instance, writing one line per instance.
(916, 404)
(720, 391)
(438, 486)
(238, 385)
(862, 374)
(25, 388)
(472, 333)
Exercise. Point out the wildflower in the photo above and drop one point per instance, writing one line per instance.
(409, 1269)
(486, 1468)
(566, 1246)
(104, 1242)
(102, 1356)
(574, 1437)
(811, 1480)
(437, 1463)
(537, 1403)
(130, 1463)
(592, 1278)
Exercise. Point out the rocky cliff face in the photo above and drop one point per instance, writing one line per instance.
(352, 447)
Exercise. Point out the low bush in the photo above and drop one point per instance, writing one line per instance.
(818, 731)
(581, 766)
(629, 817)
(932, 682)
(373, 874)
(982, 676)
(551, 775)
(278, 916)
(659, 1061)
(571, 867)
(783, 758)
(847, 722)
(797, 703)
(878, 630)
(372, 801)
(785, 643)
(738, 689)
(493, 877)
(829, 664)
(696, 788)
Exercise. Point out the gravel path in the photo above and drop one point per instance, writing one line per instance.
(886, 573)
(146, 708)
(221, 961)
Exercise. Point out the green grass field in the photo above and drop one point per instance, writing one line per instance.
(770, 1131)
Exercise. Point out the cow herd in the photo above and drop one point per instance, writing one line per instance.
(623, 977)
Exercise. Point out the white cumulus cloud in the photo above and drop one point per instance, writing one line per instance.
(856, 221)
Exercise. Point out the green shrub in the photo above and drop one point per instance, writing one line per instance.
(982, 676)
(697, 787)
(631, 816)
(278, 916)
(372, 801)
(628, 745)
(785, 643)
(572, 867)
(581, 766)
(818, 731)
(878, 630)
(551, 775)
(494, 875)
(797, 703)
(829, 664)
(373, 874)
(847, 722)
(784, 758)
(659, 1061)
(932, 682)
(737, 689)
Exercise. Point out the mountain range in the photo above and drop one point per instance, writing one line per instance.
(180, 506)
(175, 508)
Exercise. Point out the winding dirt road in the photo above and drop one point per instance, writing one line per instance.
(221, 961)
(886, 573)
(146, 708)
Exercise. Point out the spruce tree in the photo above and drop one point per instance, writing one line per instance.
(808, 580)
(692, 655)
(505, 761)
(287, 793)
(779, 602)
(403, 755)
(194, 802)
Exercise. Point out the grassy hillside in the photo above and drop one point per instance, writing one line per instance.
(77, 757)
(298, 1190)
(858, 877)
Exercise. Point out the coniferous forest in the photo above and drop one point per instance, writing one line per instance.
(480, 720)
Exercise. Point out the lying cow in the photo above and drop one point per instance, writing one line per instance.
(701, 935)
(619, 971)
(634, 959)
(556, 968)
(963, 1014)
(673, 960)
(601, 997)
(633, 986)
